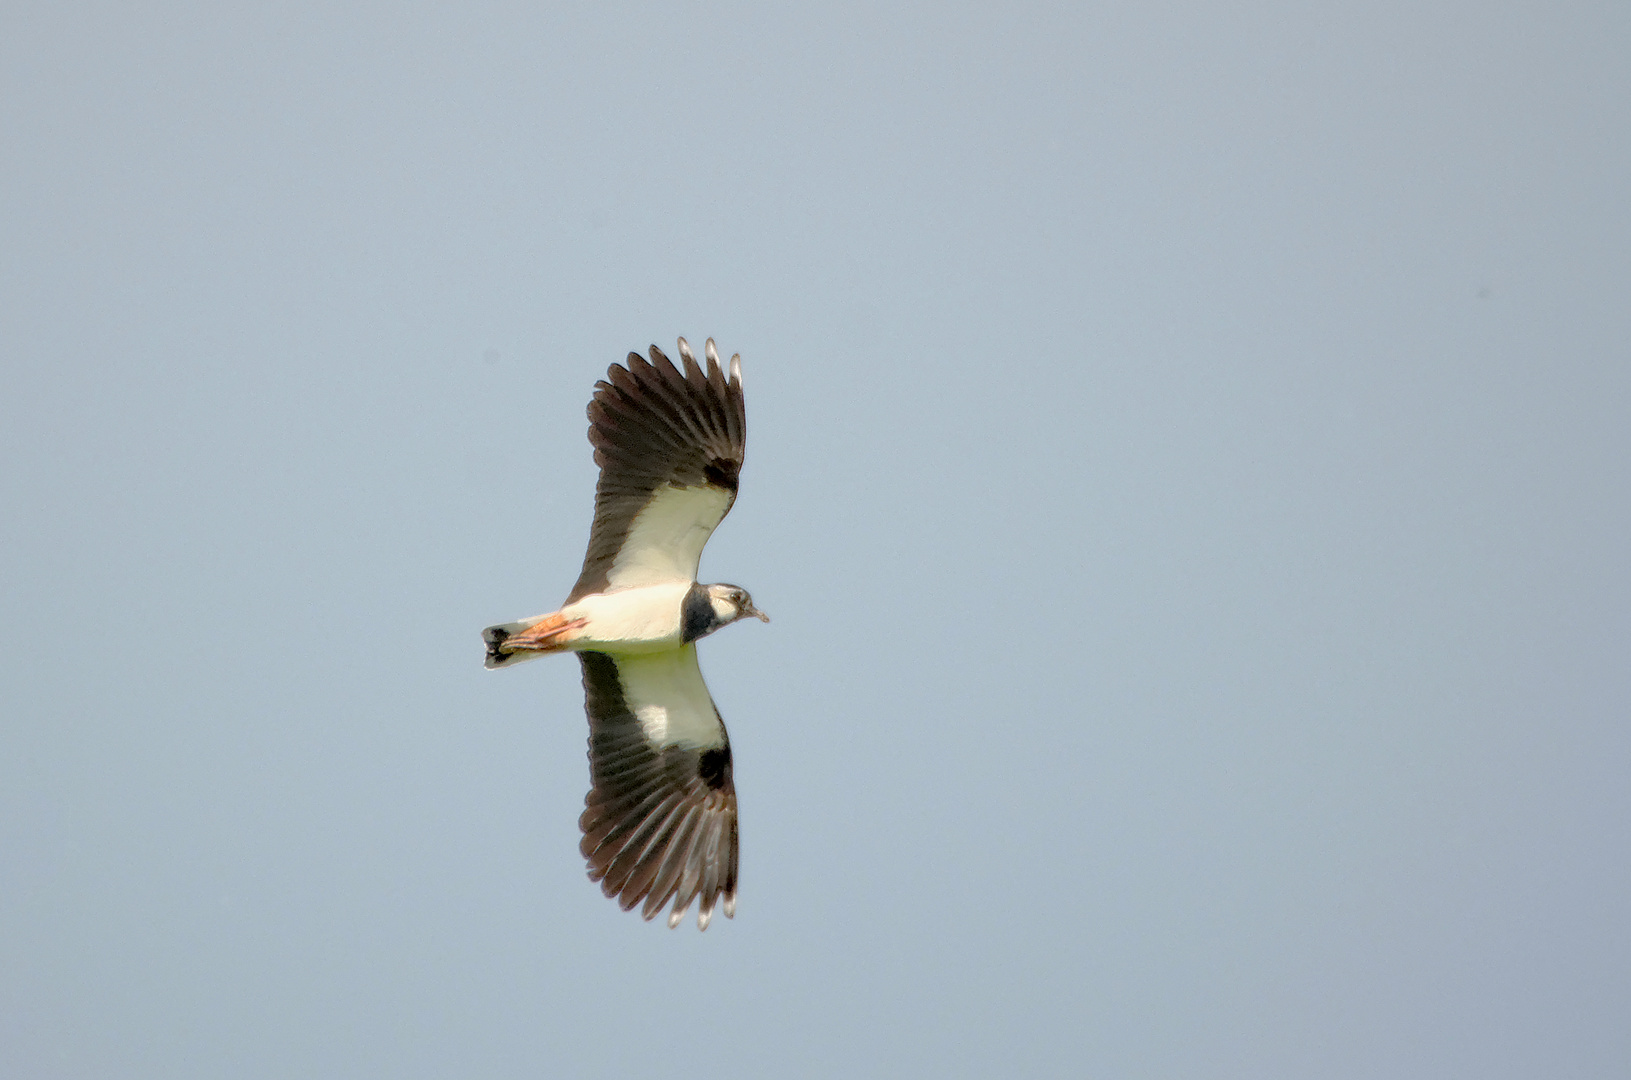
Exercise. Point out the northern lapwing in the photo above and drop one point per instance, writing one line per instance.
(659, 822)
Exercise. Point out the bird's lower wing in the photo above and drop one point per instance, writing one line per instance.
(659, 822)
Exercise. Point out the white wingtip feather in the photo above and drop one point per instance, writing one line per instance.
(730, 907)
(685, 351)
(713, 353)
(674, 918)
(704, 916)
(736, 367)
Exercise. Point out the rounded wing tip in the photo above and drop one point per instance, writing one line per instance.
(711, 354)
(705, 915)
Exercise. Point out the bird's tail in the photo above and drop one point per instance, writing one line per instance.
(511, 643)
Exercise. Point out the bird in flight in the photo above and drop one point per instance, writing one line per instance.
(659, 822)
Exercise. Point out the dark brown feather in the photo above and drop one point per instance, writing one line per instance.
(652, 425)
(659, 823)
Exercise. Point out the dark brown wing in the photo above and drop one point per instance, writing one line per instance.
(659, 822)
(669, 445)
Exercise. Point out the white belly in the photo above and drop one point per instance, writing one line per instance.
(639, 620)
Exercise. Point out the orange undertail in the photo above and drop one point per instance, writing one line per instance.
(513, 642)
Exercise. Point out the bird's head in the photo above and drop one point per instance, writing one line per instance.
(732, 602)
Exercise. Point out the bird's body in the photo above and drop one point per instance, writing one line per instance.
(642, 619)
(660, 819)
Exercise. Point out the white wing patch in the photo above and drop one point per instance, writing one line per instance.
(666, 692)
(665, 539)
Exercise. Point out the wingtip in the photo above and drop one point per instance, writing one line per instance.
(710, 354)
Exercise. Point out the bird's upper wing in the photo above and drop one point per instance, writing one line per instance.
(669, 446)
(659, 822)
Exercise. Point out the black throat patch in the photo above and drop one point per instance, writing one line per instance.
(697, 616)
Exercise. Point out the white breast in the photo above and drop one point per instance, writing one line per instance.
(630, 620)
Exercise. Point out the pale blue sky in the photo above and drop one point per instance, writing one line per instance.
(1188, 472)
